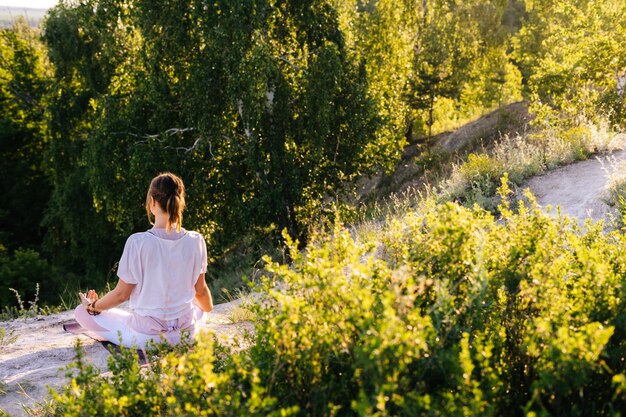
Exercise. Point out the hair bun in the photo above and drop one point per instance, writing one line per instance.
(170, 185)
(162, 188)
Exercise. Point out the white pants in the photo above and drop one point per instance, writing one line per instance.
(113, 325)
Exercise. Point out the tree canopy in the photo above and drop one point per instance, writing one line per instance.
(268, 109)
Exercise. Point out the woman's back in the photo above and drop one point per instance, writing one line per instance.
(165, 272)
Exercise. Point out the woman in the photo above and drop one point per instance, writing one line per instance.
(161, 271)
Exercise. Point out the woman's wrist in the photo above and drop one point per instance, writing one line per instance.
(91, 308)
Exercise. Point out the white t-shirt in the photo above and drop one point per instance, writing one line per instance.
(165, 272)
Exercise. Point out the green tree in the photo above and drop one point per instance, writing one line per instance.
(461, 63)
(82, 45)
(24, 77)
(384, 38)
(266, 109)
(572, 54)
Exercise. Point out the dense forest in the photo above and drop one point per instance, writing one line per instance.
(269, 110)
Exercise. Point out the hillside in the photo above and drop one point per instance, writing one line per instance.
(42, 348)
(424, 161)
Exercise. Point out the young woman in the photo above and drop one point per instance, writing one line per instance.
(161, 271)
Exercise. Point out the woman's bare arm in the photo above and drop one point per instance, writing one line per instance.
(113, 298)
(203, 295)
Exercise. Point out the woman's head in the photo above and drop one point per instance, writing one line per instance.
(168, 192)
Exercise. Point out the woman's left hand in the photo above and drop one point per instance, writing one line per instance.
(92, 295)
(84, 301)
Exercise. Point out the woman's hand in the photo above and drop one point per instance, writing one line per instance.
(92, 295)
(88, 302)
(89, 298)
(113, 298)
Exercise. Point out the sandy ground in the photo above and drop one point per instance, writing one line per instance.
(580, 189)
(36, 359)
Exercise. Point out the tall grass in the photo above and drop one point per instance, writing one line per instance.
(474, 181)
(616, 191)
(7, 337)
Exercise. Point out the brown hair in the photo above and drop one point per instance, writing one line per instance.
(168, 191)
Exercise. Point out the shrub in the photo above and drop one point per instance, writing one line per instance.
(475, 180)
(617, 194)
(21, 271)
(449, 312)
(179, 381)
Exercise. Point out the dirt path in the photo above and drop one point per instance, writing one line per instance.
(580, 189)
(42, 349)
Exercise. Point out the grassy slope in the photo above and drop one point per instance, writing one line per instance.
(425, 161)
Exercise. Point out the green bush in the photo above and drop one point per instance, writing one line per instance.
(26, 277)
(450, 312)
(617, 196)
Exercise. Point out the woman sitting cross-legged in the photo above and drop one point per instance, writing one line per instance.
(161, 271)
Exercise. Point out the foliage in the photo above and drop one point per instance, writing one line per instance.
(24, 79)
(76, 231)
(25, 82)
(387, 61)
(449, 312)
(267, 118)
(262, 114)
(25, 275)
(177, 382)
(269, 110)
(461, 65)
(572, 59)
